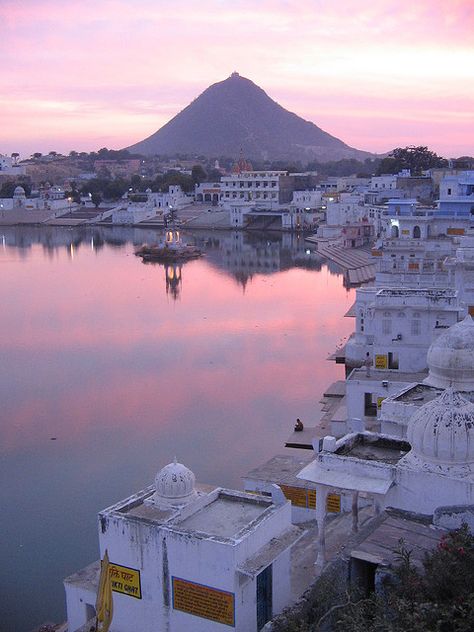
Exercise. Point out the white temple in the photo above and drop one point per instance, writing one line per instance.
(431, 471)
(186, 556)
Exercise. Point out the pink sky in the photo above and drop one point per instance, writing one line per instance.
(84, 75)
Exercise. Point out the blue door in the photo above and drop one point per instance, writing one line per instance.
(264, 597)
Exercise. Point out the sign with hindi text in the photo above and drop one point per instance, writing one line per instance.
(125, 580)
(204, 601)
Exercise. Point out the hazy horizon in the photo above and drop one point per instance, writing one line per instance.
(87, 75)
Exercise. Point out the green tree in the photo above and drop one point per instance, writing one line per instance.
(437, 598)
(416, 159)
(198, 174)
(96, 199)
(440, 599)
(136, 182)
(214, 175)
(7, 189)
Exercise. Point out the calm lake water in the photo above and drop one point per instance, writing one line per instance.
(127, 365)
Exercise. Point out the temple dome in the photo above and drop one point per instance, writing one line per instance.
(451, 358)
(174, 485)
(441, 433)
(19, 191)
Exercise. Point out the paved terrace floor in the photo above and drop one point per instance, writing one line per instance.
(303, 554)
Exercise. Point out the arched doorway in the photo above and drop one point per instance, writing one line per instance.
(394, 231)
(416, 232)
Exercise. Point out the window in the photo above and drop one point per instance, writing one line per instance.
(415, 327)
(386, 326)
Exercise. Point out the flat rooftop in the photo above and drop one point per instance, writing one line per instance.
(420, 394)
(390, 376)
(139, 505)
(375, 448)
(225, 516)
(282, 469)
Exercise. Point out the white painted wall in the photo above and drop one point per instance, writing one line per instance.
(163, 551)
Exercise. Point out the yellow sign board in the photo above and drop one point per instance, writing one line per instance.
(381, 361)
(204, 601)
(333, 503)
(297, 495)
(455, 231)
(125, 580)
(307, 498)
(379, 401)
(405, 231)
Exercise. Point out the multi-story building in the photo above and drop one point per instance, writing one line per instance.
(261, 188)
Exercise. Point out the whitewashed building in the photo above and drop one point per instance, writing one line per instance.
(450, 361)
(456, 195)
(10, 168)
(396, 325)
(149, 205)
(431, 473)
(189, 557)
(267, 188)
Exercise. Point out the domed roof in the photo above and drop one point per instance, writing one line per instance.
(441, 433)
(174, 485)
(19, 191)
(451, 358)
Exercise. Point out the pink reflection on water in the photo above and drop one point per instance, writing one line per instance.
(109, 348)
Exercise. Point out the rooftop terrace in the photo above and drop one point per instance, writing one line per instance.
(375, 448)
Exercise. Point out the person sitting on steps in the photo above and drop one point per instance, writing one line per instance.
(299, 425)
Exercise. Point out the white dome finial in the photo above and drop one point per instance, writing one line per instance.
(174, 485)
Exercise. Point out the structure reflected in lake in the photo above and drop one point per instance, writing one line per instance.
(241, 254)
